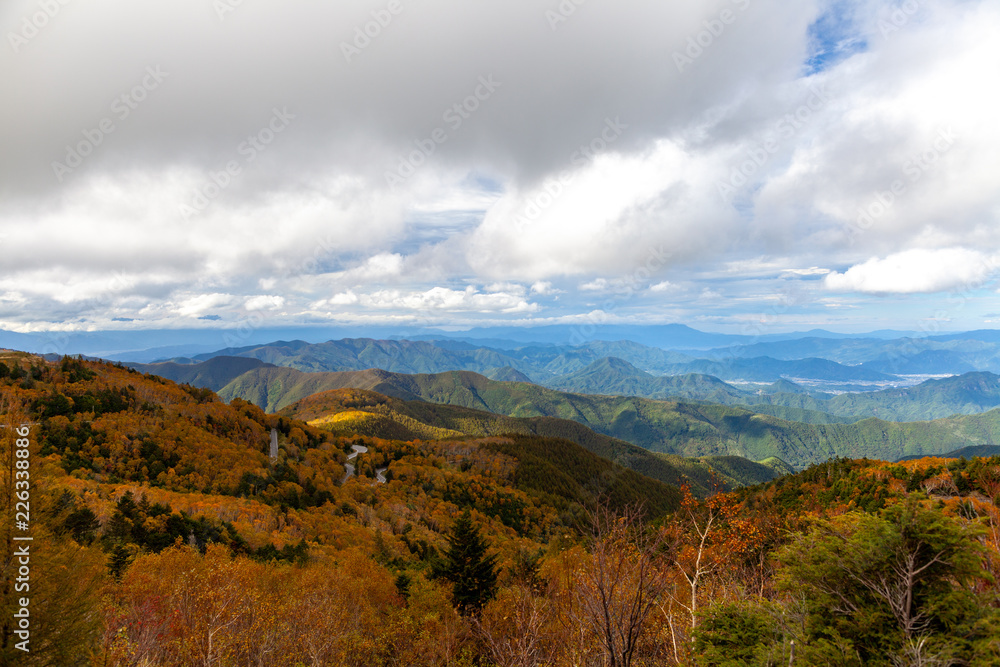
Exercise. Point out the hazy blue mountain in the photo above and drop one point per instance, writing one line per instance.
(965, 394)
(769, 369)
(214, 373)
(537, 362)
(663, 336)
(926, 362)
(152, 345)
(541, 363)
(985, 335)
(918, 356)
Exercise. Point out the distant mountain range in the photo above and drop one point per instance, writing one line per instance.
(950, 354)
(682, 428)
(148, 345)
(965, 394)
(404, 356)
(886, 352)
(667, 336)
(542, 364)
(610, 375)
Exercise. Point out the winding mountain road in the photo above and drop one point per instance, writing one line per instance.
(358, 449)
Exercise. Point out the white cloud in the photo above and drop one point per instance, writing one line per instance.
(596, 285)
(510, 199)
(544, 288)
(907, 146)
(380, 267)
(264, 302)
(203, 304)
(612, 214)
(916, 271)
(449, 300)
(343, 299)
(510, 288)
(812, 271)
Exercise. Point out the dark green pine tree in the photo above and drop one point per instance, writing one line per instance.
(467, 565)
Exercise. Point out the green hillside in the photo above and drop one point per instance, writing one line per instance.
(348, 411)
(616, 377)
(685, 429)
(740, 472)
(966, 394)
(970, 393)
(963, 394)
(794, 414)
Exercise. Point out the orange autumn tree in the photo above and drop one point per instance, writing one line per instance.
(719, 551)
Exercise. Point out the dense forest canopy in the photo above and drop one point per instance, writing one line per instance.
(165, 535)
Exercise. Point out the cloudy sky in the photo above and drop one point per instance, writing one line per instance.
(194, 163)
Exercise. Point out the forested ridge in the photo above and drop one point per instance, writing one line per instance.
(360, 411)
(165, 535)
(673, 427)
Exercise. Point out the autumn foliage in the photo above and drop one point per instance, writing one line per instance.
(167, 536)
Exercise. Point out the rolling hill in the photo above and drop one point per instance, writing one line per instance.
(348, 411)
(617, 377)
(107, 424)
(970, 393)
(540, 363)
(685, 429)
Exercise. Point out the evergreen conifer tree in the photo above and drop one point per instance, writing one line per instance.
(467, 565)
